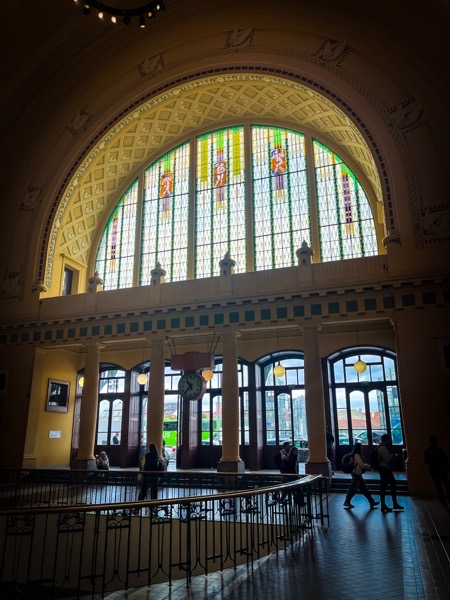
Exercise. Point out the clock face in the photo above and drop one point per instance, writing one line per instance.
(191, 386)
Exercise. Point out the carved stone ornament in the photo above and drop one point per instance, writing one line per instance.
(436, 222)
(151, 65)
(39, 287)
(408, 114)
(79, 121)
(227, 265)
(240, 38)
(304, 254)
(32, 199)
(391, 238)
(12, 285)
(332, 50)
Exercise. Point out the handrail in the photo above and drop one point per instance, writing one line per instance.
(97, 548)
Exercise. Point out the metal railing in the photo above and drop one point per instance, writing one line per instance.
(61, 487)
(98, 548)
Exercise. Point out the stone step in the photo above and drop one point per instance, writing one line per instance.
(341, 485)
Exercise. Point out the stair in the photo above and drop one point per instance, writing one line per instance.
(340, 485)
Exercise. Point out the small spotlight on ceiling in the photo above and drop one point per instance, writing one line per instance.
(108, 9)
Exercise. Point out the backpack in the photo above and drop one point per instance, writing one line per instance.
(374, 459)
(277, 460)
(347, 463)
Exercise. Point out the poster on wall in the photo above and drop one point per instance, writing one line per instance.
(57, 396)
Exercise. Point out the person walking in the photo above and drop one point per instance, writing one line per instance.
(438, 464)
(358, 482)
(150, 463)
(386, 460)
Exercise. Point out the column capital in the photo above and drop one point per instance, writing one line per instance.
(311, 328)
(93, 344)
(229, 333)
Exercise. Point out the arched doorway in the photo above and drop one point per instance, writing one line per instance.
(364, 405)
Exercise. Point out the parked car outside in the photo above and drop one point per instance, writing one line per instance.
(363, 439)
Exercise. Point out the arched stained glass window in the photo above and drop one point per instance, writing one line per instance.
(165, 216)
(346, 225)
(198, 204)
(220, 219)
(115, 257)
(280, 196)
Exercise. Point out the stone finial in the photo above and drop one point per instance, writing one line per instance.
(304, 254)
(227, 265)
(95, 283)
(157, 274)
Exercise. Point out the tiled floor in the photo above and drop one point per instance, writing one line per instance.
(364, 555)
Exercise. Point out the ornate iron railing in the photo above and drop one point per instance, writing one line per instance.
(98, 548)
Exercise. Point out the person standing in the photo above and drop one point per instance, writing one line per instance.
(115, 439)
(292, 463)
(285, 451)
(438, 464)
(150, 463)
(330, 447)
(386, 460)
(102, 461)
(358, 482)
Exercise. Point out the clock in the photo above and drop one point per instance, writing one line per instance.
(191, 386)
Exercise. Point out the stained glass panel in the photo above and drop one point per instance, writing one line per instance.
(115, 256)
(280, 196)
(346, 224)
(220, 201)
(165, 216)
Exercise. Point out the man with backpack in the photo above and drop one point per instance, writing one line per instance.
(386, 460)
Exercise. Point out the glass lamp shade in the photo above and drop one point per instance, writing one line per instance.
(279, 370)
(142, 378)
(207, 374)
(81, 382)
(360, 366)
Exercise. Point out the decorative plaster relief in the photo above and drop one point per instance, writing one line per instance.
(333, 51)
(79, 122)
(12, 285)
(240, 38)
(151, 65)
(32, 199)
(408, 114)
(436, 222)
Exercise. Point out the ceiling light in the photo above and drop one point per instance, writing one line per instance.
(359, 366)
(127, 15)
(207, 374)
(142, 378)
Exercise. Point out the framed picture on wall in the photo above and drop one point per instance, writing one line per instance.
(57, 396)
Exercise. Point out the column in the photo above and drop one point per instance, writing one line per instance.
(230, 460)
(88, 410)
(29, 457)
(317, 462)
(156, 389)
